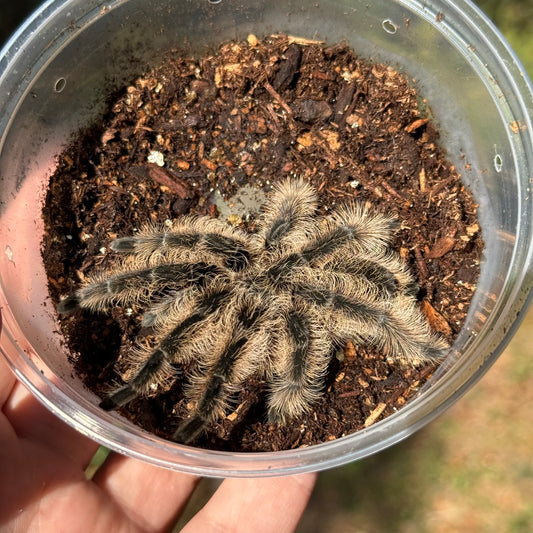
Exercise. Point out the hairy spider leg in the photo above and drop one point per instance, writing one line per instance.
(137, 286)
(321, 247)
(163, 311)
(372, 230)
(408, 334)
(301, 364)
(166, 352)
(230, 250)
(397, 326)
(288, 210)
(386, 272)
(223, 376)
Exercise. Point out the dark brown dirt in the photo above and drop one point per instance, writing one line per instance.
(253, 113)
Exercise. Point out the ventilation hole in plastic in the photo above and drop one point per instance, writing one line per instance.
(389, 26)
(60, 85)
(498, 162)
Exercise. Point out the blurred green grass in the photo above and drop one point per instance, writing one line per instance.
(514, 18)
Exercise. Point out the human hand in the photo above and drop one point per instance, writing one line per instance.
(43, 486)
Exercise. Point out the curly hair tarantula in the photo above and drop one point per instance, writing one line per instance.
(276, 303)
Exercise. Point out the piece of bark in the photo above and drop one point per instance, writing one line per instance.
(288, 68)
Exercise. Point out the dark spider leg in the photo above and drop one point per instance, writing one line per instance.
(165, 352)
(234, 254)
(387, 275)
(407, 334)
(319, 248)
(329, 299)
(295, 383)
(401, 330)
(221, 379)
(137, 286)
(298, 326)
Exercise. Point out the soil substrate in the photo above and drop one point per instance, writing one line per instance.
(252, 113)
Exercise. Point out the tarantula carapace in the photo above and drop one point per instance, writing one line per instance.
(278, 303)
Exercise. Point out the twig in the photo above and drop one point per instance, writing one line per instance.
(277, 97)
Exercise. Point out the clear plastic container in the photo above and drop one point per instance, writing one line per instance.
(55, 74)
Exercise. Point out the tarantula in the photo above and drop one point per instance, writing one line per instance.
(276, 303)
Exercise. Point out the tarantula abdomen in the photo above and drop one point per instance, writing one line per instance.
(276, 303)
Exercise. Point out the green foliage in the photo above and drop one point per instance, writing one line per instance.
(515, 20)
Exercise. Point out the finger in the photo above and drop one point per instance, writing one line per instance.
(272, 505)
(33, 422)
(150, 496)
(7, 381)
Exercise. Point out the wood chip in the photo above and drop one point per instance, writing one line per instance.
(517, 126)
(302, 41)
(232, 416)
(277, 97)
(375, 414)
(108, 135)
(421, 264)
(472, 229)
(252, 40)
(342, 104)
(306, 140)
(332, 139)
(349, 350)
(416, 125)
(288, 68)
(435, 319)
(208, 164)
(442, 245)
(166, 178)
(340, 376)
(422, 180)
